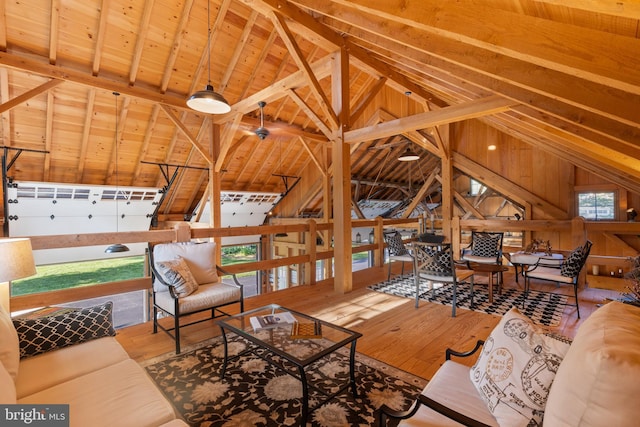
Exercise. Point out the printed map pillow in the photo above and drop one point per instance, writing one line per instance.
(176, 273)
(516, 368)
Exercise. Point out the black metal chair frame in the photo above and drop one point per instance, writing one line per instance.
(551, 263)
(388, 413)
(409, 258)
(425, 253)
(174, 331)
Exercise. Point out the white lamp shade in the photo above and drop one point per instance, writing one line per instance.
(408, 156)
(208, 101)
(16, 258)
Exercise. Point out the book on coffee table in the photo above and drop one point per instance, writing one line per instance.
(306, 330)
(274, 320)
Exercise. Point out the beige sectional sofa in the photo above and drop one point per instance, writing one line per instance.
(593, 382)
(95, 377)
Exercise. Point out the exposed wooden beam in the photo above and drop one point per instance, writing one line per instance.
(573, 56)
(310, 113)
(6, 106)
(505, 187)
(186, 133)
(296, 53)
(468, 110)
(422, 192)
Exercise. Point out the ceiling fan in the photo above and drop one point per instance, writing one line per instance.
(262, 132)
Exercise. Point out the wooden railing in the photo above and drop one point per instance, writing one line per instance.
(564, 234)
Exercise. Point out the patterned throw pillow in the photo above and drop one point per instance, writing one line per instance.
(485, 245)
(516, 369)
(176, 273)
(395, 244)
(571, 267)
(49, 333)
(435, 261)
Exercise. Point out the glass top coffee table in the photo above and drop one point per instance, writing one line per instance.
(276, 344)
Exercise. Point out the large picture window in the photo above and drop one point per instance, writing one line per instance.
(597, 206)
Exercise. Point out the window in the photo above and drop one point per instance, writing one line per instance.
(476, 188)
(597, 206)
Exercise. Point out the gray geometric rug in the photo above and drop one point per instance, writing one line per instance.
(543, 308)
(256, 393)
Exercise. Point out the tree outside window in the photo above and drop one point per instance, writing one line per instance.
(597, 206)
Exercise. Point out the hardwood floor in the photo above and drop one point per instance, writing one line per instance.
(394, 331)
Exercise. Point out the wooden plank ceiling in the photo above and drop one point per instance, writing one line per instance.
(562, 75)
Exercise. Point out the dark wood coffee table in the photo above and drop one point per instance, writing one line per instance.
(490, 269)
(278, 344)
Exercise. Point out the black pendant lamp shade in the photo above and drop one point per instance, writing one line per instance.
(208, 100)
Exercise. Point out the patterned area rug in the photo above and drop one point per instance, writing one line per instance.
(543, 308)
(256, 393)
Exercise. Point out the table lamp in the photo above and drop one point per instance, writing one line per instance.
(17, 261)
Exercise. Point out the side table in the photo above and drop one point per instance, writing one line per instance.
(491, 269)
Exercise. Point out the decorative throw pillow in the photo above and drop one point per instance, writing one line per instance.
(395, 244)
(571, 267)
(54, 332)
(485, 245)
(515, 370)
(176, 273)
(435, 261)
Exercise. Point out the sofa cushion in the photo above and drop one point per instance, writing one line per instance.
(177, 274)
(200, 257)
(598, 384)
(55, 367)
(515, 370)
(452, 387)
(120, 395)
(48, 333)
(9, 344)
(7, 387)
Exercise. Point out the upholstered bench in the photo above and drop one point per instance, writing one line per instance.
(525, 377)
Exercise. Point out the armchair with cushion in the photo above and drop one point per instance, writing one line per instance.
(485, 248)
(563, 273)
(186, 280)
(397, 250)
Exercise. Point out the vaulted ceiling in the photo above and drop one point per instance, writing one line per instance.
(563, 75)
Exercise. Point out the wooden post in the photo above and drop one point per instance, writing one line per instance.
(379, 240)
(447, 183)
(183, 232)
(310, 271)
(343, 279)
(215, 188)
(456, 236)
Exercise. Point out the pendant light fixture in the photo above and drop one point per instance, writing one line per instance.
(409, 156)
(116, 247)
(207, 100)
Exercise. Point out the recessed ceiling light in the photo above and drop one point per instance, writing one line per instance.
(491, 147)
